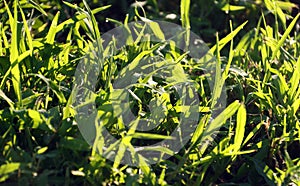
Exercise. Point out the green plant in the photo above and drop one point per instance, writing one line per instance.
(257, 62)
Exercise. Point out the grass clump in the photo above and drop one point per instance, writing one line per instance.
(257, 65)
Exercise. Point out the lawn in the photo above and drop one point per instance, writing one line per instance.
(154, 92)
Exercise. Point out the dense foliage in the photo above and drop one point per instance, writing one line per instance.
(256, 45)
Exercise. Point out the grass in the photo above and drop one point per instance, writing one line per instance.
(254, 139)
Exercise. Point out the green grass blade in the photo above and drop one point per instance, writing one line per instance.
(53, 86)
(221, 118)
(52, 31)
(27, 31)
(217, 123)
(199, 130)
(15, 71)
(38, 7)
(283, 86)
(184, 12)
(78, 17)
(96, 31)
(185, 20)
(125, 143)
(143, 165)
(240, 127)
(296, 106)
(228, 38)
(218, 81)
(3, 96)
(6, 169)
(252, 133)
(1, 45)
(139, 135)
(227, 7)
(294, 81)
(154, 26)
(265, 171)
(230, 58)
(284, 36)
(16, 63)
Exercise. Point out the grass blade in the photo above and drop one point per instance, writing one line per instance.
(52, 31)
(27, 31)
(228, 38)
(285, 35)
(15, 71)
(185, 20)
(217, 123)
(10, 102)
(6, 169)
(294, 81)
(240, 127)
(78, 17)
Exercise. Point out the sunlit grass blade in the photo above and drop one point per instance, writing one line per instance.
(240, 127)
(143, 165)
(185, 20)
(276, 10)
(154, 26)
(1, 40)
(95, 30)
(53, 86)
(295, 106)
(229, 7)
(252, 133)
(217, 122)
(125, 143)
(52, 31)
(265, 171)
(16, 63)
(3, 96)
(230, 58)
(284, 36)
(38, 7)
(283, 86)
(14, 51)
(228, 38)
(199, 130)
(294, 81)
(218, 80)
(78, 17)
(7, 169)
(27, 31)
(140, 135)
(161, 149)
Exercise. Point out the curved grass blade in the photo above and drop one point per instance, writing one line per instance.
(3, 96)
